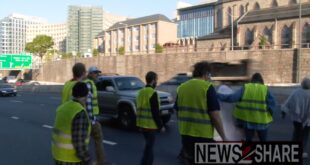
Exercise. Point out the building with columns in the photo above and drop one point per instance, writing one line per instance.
(257, 24)
(137, 36)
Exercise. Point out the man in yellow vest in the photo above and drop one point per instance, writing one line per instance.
(254, 109)
(92, 108)
(148, 118)
(79, 74)
(72, 128)
(197, 111)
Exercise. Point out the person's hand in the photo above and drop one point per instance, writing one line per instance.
(163, 129)
(93, 163)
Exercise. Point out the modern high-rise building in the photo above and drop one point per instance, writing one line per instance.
(17, 30)
(13, 32)
(110, 19)
(84, 24)
(57, 31)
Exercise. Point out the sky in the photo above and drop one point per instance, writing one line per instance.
(55, 11)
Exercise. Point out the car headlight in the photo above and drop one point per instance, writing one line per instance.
(3, 91)
(14, 90)
(170, 99)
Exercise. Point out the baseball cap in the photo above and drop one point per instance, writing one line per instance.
(93, 69)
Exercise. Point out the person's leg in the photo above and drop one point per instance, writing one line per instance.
(148, 156)
(262, 135)
(306, 131)
(97, 135)
(249, 134)
(187, 142)
(297, 134)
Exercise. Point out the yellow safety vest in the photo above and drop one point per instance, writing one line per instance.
(144, 113)
(67, 91)
(193, 117)
(94, 96)
(67, 94)
(253, 107)
(62, 146)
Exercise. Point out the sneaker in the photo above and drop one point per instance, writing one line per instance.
(305, 155)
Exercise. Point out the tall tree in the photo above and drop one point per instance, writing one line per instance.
(40, 45)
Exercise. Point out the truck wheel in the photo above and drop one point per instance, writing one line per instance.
(166, 119)
(127, 118)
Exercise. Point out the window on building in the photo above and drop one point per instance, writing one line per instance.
(306, 36)
(219, 18)
(145, 47)
(256, 6)
(137, 38)
(145, 37)
(249, 37)
(241, 10)
(274, 3)
(267, 33)
(137, 47)
(286, 37)
(229, 14)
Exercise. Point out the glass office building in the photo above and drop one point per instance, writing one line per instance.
(84, 24)
(196, 21)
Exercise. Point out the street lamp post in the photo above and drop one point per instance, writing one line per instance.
(232, 26)
(74, 55)
(300, 43)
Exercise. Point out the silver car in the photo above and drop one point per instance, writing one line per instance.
(117, 99)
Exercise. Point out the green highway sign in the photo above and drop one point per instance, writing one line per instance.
(15, 61)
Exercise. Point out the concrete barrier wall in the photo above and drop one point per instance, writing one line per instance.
(277, 66)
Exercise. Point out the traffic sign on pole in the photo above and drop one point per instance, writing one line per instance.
(15, 61)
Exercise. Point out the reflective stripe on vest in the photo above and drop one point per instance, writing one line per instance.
(253, 107)
(94, 96)
(62, 145)
(193, 117)
(144, 114)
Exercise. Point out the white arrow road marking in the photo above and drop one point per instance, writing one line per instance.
(14, 117)
(47, 126)
(109, 142)
(55, 98)
(16, 101)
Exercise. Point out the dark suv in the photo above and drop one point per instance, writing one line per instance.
(117, 99)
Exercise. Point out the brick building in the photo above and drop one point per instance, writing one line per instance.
(269, 24)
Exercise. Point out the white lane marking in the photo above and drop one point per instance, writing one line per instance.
(16, 101)
(47, 126)
(172, 121)
(109, 142)
(14, 117)
(55, 98)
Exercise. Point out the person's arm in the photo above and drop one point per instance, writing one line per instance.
(89, 103)
(175, 106)
(155, 110)
(271, 103)
(80, 126)
(232, 98)
(214, 112)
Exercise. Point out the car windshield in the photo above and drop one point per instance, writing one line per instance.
(129, 83)
(6, 86)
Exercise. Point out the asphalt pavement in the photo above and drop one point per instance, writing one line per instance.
(26, 122)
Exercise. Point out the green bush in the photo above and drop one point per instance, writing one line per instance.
(158, 48)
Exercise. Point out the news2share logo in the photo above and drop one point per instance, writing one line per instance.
(248, 153)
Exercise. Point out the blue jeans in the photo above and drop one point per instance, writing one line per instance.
(148, 154)
(249, 134)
